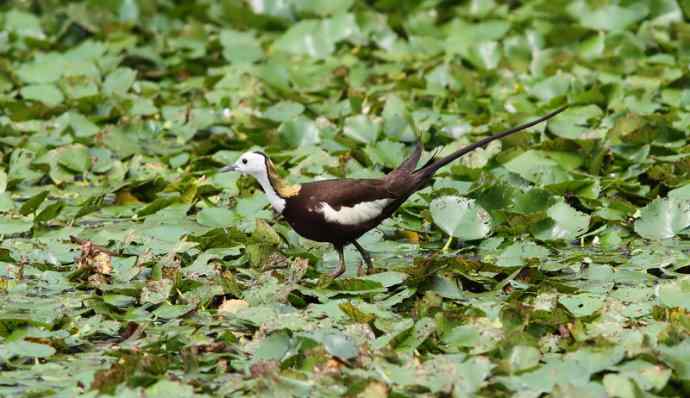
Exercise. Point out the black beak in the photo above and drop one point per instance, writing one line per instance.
(230, 167)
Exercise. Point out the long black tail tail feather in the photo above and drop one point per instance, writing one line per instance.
(429, 169)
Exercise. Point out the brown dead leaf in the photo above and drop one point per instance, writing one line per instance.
(97, 279)
(374, 389)
(333, 365)
(94, 262)
(103, 264)
(263, 368)
(298, 268)
(232, 306)
(222, 366)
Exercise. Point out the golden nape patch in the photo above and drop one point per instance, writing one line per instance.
(281, 187)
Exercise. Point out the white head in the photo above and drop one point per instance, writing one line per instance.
(250, 163)
(259, 166)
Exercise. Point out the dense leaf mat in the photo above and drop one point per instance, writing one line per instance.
(551, 263)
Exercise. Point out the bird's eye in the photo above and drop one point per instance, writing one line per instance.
(244, 161)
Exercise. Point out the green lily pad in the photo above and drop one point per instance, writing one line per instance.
(48, 94)
(11, 226)
(516, 254)
(167, 388)
(675, 294)
(339, 345)
(119, 81)
(26, 349)
(575, 122)
(460, 217)
(387, 153)
(283, 111)
(361, 128)
(75, 158)
(535, 167)
(584, 304)
(215, 217)
(240, 47)
(300, 131)
(564, 223)
(678, 357)
(663, 218)
(523, 358)
(273, 347)
(607, 17)
(23, 24)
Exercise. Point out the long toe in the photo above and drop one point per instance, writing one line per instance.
(370, 268)
(337, 272)
(361, 271)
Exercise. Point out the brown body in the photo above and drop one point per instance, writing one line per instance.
(302, 211)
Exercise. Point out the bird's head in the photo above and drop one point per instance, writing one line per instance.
(259, 166)
(250, 163)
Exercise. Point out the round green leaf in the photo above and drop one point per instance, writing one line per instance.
(681, 193)
(283, 111)
(340, 346)
(49, 94)
(10, 226)
(516, 254)
(119, 81)
(306, 38)
(607, 16)
(75, 158)
(317, 38)
(675, 294)
(240, 47)
(574, 123)
(361, 128)
(215, 217)
(535, 167)
(300, 131)
(387, 153)
(23, 24)
(118, 300)
(167, 388)
(22, 348)
(523, 357)
(273, 347)
(663, 218)
(461, 217)
(564, 223)
(581, 305)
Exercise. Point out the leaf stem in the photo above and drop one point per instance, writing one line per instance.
(447, 245)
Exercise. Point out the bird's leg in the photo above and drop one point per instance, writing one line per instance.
(365, 256)
(341, 263)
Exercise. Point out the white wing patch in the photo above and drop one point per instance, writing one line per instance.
(359, 213)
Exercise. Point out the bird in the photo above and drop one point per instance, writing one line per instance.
(339, 211)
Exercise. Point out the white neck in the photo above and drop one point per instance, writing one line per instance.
(276, 201)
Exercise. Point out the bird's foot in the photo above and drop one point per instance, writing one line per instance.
(339, 271)
(365, 268)
(326, 279)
